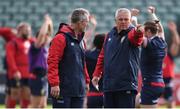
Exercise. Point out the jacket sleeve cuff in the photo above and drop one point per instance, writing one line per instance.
(14, 71)
(54, 84)
(135, 37)
(88, 81)
(96, 74)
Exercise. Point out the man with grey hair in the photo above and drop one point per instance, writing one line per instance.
(67, 74)
(119, 62)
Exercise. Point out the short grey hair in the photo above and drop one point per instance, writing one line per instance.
(121, 10)
(79, 14)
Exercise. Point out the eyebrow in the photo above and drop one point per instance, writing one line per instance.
(123, 18)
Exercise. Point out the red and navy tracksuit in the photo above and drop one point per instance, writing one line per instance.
(168, 75)
(119, 62)
(151, 68)
(66, 68)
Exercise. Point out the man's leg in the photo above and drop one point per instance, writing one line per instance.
(14, 87)
(39, 93)
(125, 99)
(25, 97)
(168, 93)
(8, 101)
(25, 93)
(77, 102)
(150, 95)
(95, 102)
(108, 100)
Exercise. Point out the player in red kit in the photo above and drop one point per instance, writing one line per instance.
(168, 65)
(17, 66)
(7, 34)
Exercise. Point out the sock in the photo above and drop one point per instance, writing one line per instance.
(25, 103)
(10, 103)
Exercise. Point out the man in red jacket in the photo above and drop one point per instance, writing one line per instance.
(17, 65)
(66, 63)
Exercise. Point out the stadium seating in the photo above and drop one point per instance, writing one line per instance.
(32, 11)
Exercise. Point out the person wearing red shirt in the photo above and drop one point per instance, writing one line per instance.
(168, 65)
(17, 65)
(7, 34)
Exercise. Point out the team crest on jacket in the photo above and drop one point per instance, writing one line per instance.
(122, 39)
(109, 39)
(72, 43)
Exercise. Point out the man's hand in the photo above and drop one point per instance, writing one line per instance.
(55, 91)
(46, 17)
(95, 82)
(17, 75)
(140, 28)
(93, 20)
(14, 31)
(151, 9)
(134, 12)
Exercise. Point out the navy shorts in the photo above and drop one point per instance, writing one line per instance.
(39, 86)
(68, 102)
(95, 101)
(168, 91)
(120, 99)
(19, 83)
(150, 94)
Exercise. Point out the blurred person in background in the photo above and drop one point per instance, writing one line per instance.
(67, 73)
(153, 52)
(38, 65)
(87, 41)
(7, 34)
(119, 62)
(17, 66)
(88, 38)
(95, 94)
(168, 65)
